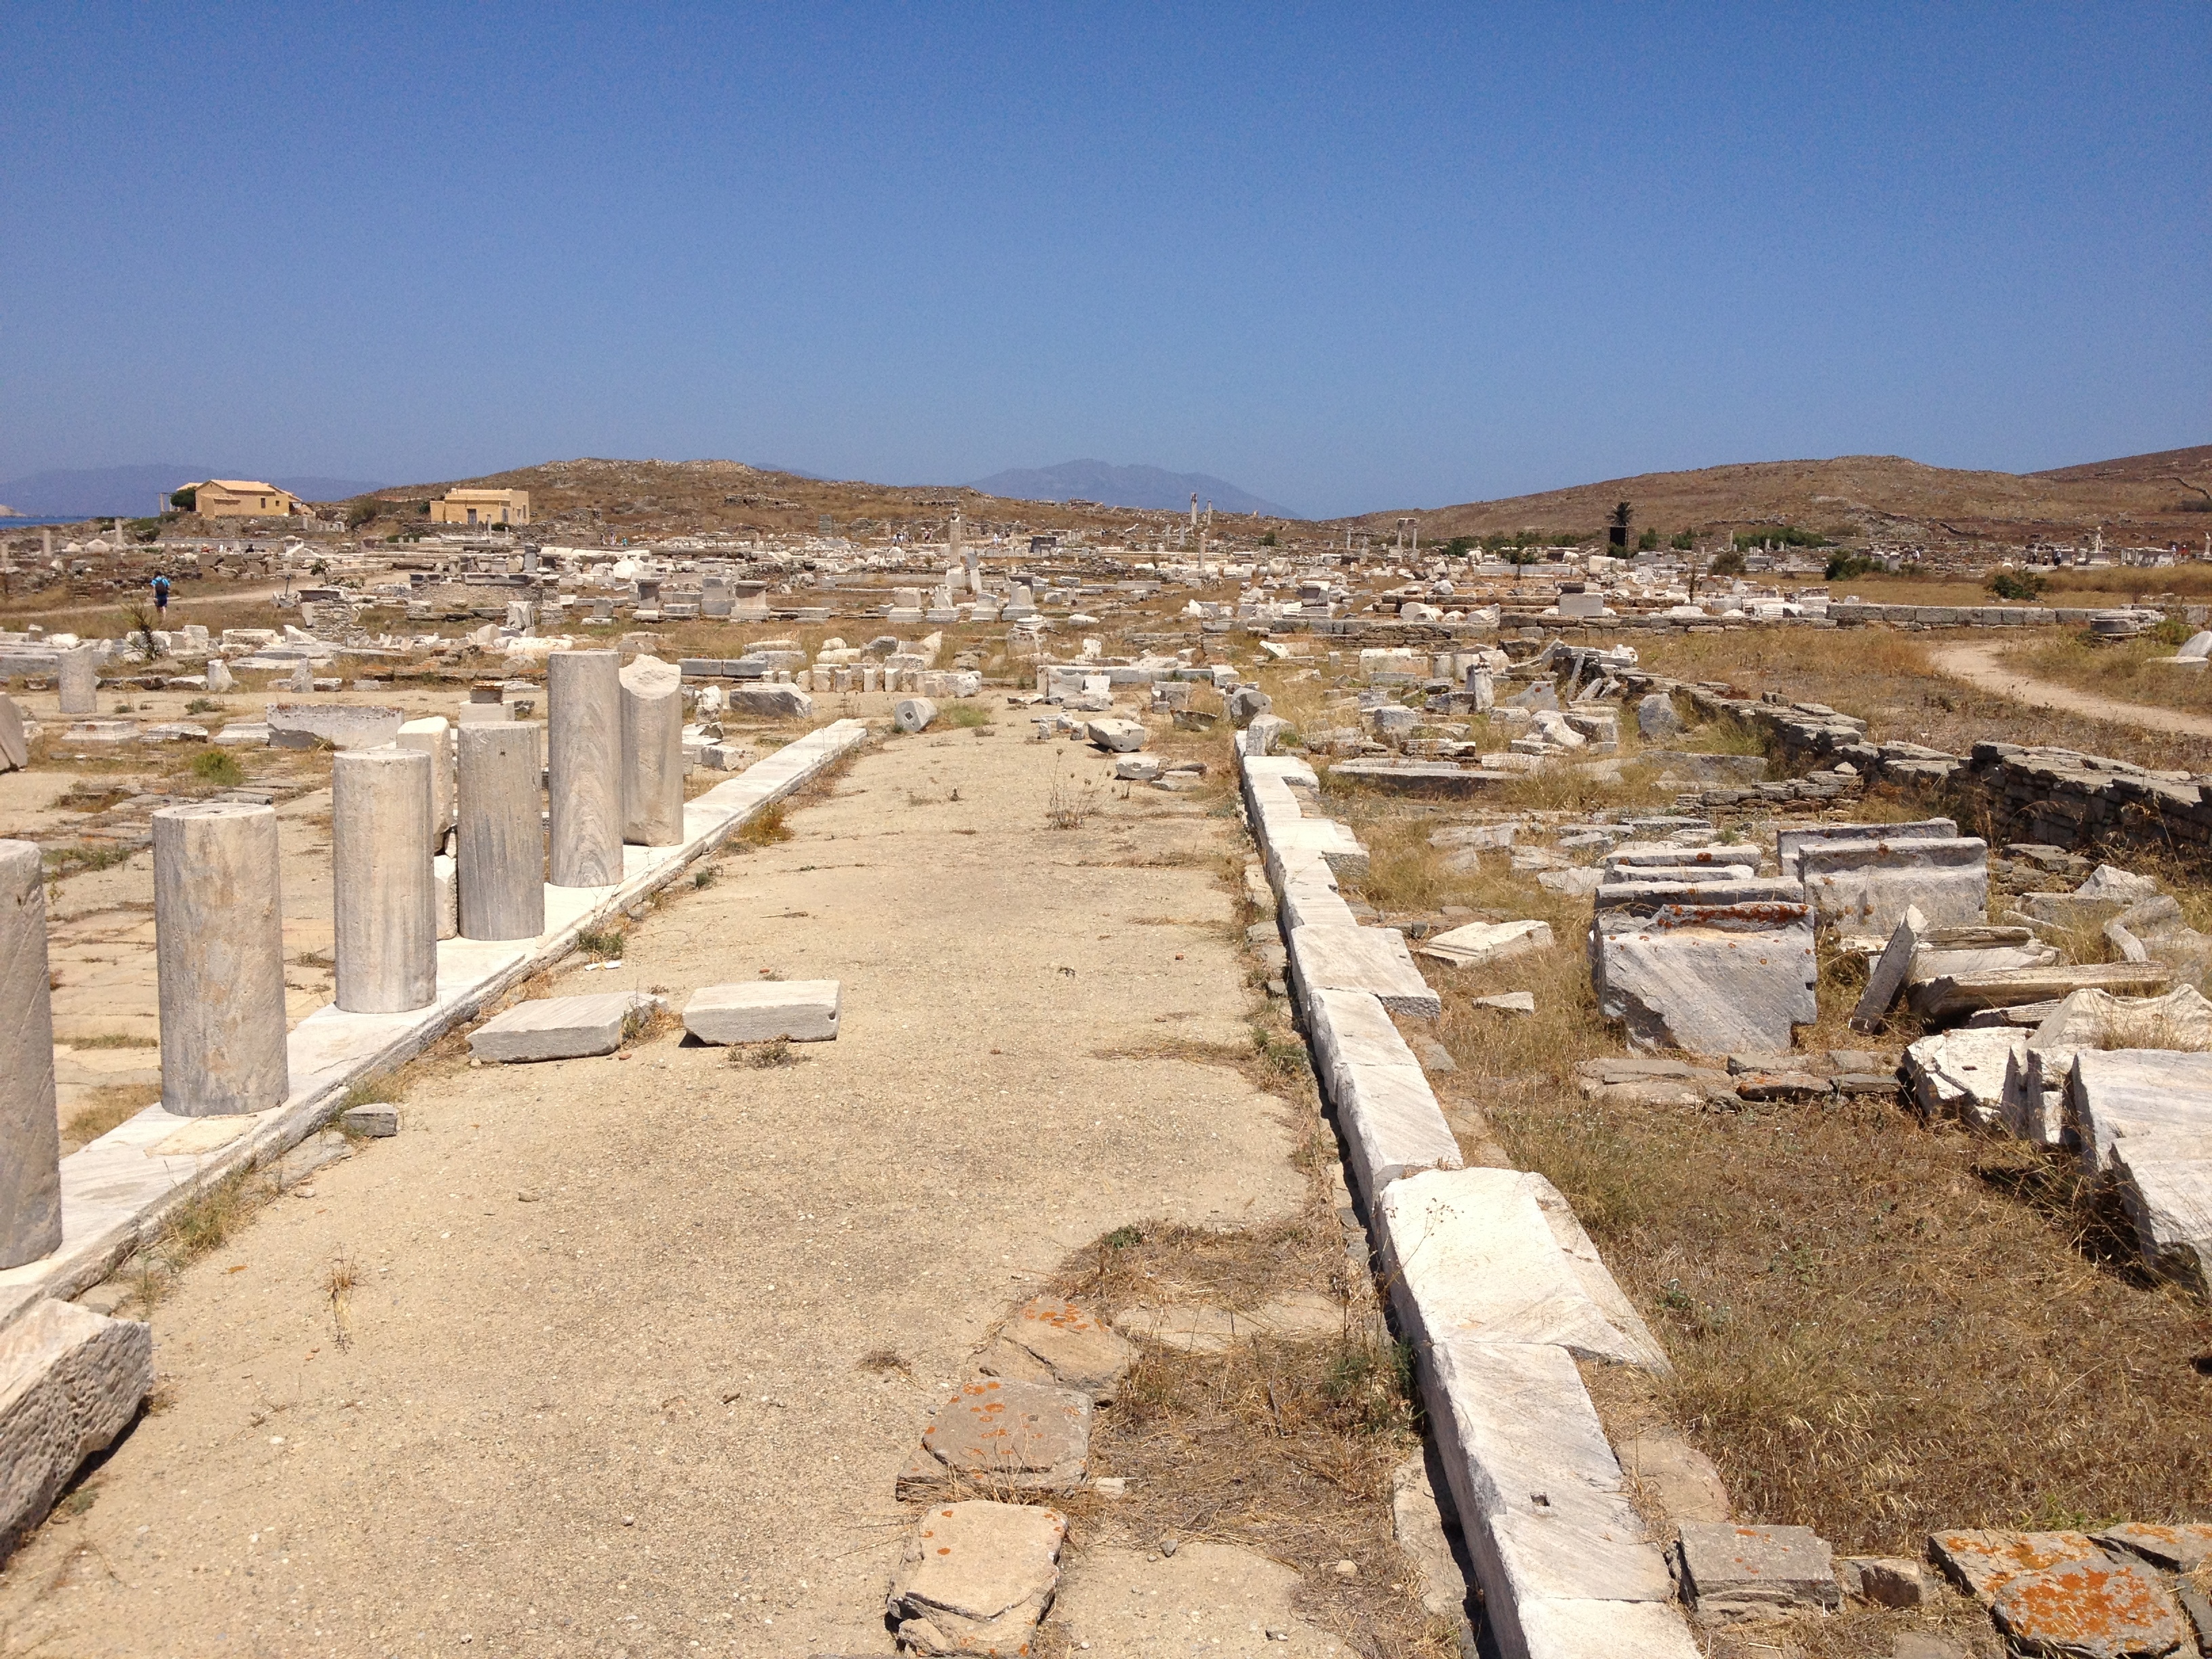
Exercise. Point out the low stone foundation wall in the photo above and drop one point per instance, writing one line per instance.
(2003, 792)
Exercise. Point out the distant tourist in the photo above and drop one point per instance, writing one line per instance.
(161, 593)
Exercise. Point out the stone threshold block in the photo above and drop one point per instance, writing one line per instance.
(1373, 959)
(998, 1434)
(70, 1380)
(1498, 1255)
(2124, 1093)
(762, 1011)
(557, 1028)
(976, 1577)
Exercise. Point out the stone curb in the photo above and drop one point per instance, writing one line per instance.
(1491, 1277)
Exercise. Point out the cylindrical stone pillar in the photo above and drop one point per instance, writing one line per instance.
(80, 681)
(218, 949)
(433, 736)
(652, 753)
(501, 849)
(30, 1143)
(583, 696)
(381, 890)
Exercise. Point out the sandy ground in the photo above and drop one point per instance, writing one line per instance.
(1982, 665)
(597, 1388)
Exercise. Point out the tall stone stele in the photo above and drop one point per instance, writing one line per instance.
(383, 898)
(30, 1143)
(219, 948)
(79, 677)
(501, 844)
(652, 753)
(583, 696)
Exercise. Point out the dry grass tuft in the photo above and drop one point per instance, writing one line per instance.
(766, 1056)
(1283, 1448)
(108, 1109)
(765, 828)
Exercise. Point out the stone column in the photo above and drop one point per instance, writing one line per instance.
(381, 890)
(583, 693)
(652, 753)
(219, 946)
(501, 849)
(30, 1143)
(80, 681)
(433, 736)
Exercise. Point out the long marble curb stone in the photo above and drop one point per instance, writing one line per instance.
(117, 1190)
(1491, 1274)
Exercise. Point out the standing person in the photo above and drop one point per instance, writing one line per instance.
(161, 594)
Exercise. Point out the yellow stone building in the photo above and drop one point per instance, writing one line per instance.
(244, 498)
(482, 506)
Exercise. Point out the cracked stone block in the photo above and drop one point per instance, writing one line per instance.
(70, 1380)
(1478, 942)
(556, 1028)
(976, 1577)
(1117, 736)
(1001, 1432)
(2091, 1609)
(1734, 1573)
(761, 1011)
(1075, 1348)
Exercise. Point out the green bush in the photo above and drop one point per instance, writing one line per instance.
(2017, 585)
(1842, 567)
(1784, 535)
(1684, 541)
(1729, 563)
(218, 766)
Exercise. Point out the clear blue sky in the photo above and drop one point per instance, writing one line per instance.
(1347, 257)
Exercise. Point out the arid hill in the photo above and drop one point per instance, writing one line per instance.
(642, 500)
(2139, 500)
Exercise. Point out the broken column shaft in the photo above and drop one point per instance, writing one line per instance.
(30, 1143)
(381, 890)
(79, 677)
(219, 945)
(652, 753)
(501, 844)
(583, 694)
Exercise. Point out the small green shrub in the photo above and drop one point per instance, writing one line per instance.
(218, 766)
(2017, 585)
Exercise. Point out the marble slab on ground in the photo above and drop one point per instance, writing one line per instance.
(556, 1028)
(761, 1011)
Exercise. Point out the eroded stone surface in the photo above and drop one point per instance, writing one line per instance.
(2090, 1609)
(1001, 1431)
(1212, 1598)
(1074, 1347)
(71, 1380)
(1201, 1328)
(1982, 1562)
(976, 1577)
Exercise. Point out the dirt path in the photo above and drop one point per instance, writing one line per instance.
(634, 1348)
(1980, 665)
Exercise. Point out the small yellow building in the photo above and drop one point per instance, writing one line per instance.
(482, 506)
(244, 498)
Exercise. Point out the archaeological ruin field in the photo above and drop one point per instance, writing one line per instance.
(982, 1078)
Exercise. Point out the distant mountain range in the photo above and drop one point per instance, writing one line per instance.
(135, 492)
(1125, 486)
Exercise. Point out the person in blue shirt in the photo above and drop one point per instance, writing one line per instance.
(161, 593)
